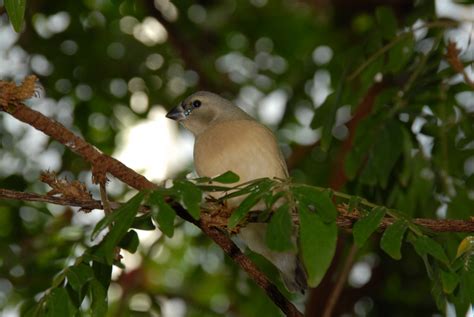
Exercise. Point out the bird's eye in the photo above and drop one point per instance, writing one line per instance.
(196, 103)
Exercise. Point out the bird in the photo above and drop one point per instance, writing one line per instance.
(229, 139)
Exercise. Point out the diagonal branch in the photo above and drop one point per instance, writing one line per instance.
(341, 281)
(338, 177)
(11, 101)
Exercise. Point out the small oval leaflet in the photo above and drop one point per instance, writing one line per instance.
(392, 238)
(364, 228)
(318, 244)
(226, 178)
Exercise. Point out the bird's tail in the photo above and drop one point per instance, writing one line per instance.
(288, 263)
(296, 280)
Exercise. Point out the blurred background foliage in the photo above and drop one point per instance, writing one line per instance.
(361, 96)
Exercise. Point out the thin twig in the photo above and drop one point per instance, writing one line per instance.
(452, 56)
(401, 36)
(104, 198)
(57, 200)
(341, 281)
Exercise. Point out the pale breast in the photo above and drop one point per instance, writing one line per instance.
(243, 146)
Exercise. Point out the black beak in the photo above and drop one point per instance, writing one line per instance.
(177, 113)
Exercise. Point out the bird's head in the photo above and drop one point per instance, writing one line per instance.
(200, 110)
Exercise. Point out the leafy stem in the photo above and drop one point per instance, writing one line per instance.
(391, 212)
(398, 38)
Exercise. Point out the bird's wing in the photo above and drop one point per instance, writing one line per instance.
(249, 149)
(245, 147)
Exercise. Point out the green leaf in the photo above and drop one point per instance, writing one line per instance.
(335, 104)
(318, 199)
(457, 206)
(78, 275)
(76, 296)
(98, 295)
(325, 115)
(105, 222)
(241, 191)
(280, 230)
(202, 180)
(130, 241)
(213, 188)
(123, 221)
(45, 211)
(365, 226)
(164, 215)
(383, 153)
(143, 222)
(59, 304)
(322, 112)
(328, 122)
(400, 54)
(392, 238)
(466, 245)
(227, 178)
(411, 237)
(240, 212)
(16, 12)
(258, 191)
(449, 280)
(387, 22)
(367, 76)
(426, 245)
(270, 200)
(103, 273)
(58, 279)
(30, 308)
(363, 140)
(461, 305)
(407, 168)
(386, 151)
(464, 295)
(368, 176)
(318, 244)
(102, 224)
(438, 295)
(468, 279)
(354, 203)
(190, 196)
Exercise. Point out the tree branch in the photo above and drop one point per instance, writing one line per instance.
(338, 177)
(345, 220)
(11, 101)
